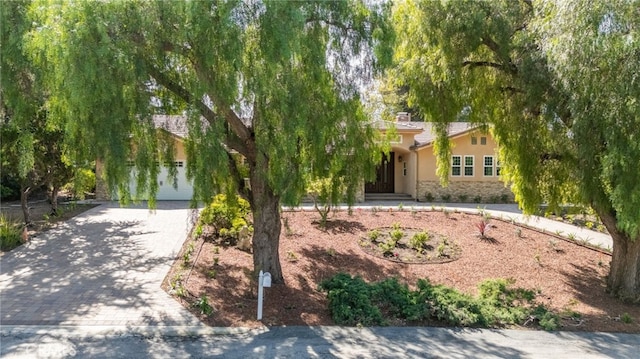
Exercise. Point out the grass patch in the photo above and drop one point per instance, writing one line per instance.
(10, 234)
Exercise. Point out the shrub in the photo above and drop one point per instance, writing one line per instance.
(418, 240)
(350, 301)
(227, 216)
(429, 197)
(446, 197)
(354, 302)
(462, 198)
(203, 305)
(10, 235)
(374, 234)
(477, 199)
(396, 235)
(482, 228)
(7, 192)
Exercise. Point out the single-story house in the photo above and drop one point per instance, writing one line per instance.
(409, 169)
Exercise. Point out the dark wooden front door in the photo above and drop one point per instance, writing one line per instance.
(384, 182)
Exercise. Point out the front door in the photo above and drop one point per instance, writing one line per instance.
(384, 182)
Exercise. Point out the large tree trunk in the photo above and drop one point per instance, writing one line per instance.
(624, 275)
(265, 205)
(24, 203)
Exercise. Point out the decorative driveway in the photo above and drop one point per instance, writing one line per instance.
(101, 268)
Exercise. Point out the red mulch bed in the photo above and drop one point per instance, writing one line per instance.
(569, 278)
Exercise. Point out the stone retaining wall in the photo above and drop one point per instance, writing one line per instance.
(479, 192)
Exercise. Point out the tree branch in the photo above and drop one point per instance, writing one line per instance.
(205, 110)
(473, 64)
(493, 46)
(235, 173)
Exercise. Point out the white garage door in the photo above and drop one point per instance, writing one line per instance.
(166, 191)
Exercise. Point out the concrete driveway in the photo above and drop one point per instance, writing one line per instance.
(101, 268)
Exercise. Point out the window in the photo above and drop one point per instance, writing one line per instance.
(483, 140)
(488, 166)
(396, 139)
(474, 140)
(468, 165)
(404, 168)
(497, 168)
(456, 162)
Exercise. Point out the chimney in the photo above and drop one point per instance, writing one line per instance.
(403, 117)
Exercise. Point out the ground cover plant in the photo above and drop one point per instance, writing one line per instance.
(566, 279)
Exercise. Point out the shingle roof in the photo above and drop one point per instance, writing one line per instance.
(176, 124)
(426, 134)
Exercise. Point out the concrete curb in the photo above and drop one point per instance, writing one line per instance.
(93, 331)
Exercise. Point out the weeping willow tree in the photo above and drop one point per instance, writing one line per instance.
(559, 83)
(274, 81)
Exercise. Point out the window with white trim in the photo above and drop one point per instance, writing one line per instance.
(498, 167)
(468, 166)
(488, 166)
(456, 165)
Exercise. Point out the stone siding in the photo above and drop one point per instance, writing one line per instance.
(470, 192)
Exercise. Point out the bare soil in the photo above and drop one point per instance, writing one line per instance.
(567, 277)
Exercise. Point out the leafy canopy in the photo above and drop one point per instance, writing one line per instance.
(557, 81)
(274, 81)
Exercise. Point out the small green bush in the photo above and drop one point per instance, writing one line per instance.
(418, 240)
(429, 197)
(350, 301)
(203, 305)
(10, 235)
(374, 234)
(225, 216)
(354, 302)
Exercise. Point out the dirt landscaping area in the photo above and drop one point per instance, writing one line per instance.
(568, 278)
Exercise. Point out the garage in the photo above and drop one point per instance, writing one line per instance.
(166, 191)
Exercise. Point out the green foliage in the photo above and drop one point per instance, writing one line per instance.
(354, 302)
(186, 255)
(6, 192)
(84, 181)
(557, 83)
(350, 301)
(396, 235)
(275, 82)
(10, 234)
(418, 240)
(374, 234)
(429, 197)
(325, 194)
(203, 305)
(387, 247)
(226, 215)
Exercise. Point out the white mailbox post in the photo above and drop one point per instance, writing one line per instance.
(264, 280)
